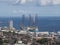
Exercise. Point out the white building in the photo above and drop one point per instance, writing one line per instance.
(43, 33)
(22, 32)
(20, 43)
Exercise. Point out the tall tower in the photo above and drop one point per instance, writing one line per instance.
(35, 20)
(30, 20)
(35, 25)
(11, 24)
(22, 26)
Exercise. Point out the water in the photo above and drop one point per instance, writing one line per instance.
(44, 23)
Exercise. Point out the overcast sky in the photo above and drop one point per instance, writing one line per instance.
(20, 7)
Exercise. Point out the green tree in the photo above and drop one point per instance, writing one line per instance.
(1, 41)
(42, 41)
(5, 41)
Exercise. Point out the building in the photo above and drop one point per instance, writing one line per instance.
(20, 43)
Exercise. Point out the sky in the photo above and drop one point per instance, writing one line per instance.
(16, 8)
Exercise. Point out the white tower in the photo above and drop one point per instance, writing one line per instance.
(11, 24)
(36, 32)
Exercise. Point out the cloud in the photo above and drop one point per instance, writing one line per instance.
(24, 1)
(21, 1)
(49, 2)
(44, 2)
(20, 11)
(56, 1)
(30, 0)
(40, 2)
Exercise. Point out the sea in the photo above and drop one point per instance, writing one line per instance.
(44, 23)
